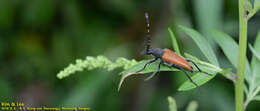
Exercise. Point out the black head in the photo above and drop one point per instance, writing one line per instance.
(158, 53)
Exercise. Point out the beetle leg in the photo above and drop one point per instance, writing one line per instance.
(197, 67)
(180, 68)
(147, 64)
(158, 70)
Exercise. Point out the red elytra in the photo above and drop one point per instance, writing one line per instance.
(171, 57)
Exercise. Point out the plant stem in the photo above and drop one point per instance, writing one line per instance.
(239, 85)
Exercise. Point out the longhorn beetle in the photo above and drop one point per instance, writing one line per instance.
(167, 57)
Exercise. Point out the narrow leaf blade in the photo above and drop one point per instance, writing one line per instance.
(248, 6)
(150, 68)
(257, 5)
(257, 98)
(255, 63)
(172, 104)
(202, 44)
(200, 78)
(153, 67)
(230, 49)
(174, 42)
(255, 53)
(193, 106)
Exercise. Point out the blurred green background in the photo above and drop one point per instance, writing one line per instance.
(38, 38)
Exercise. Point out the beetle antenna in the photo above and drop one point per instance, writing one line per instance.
(148, 35)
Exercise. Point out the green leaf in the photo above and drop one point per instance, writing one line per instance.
(174, 42)
(255, 9)
(254, 52)
(257, 5)
(208, 15)
(172, 104)
(230, 49)
(248, 6)
(202, 43)
(255, 63)
(201, 78)
(150, 68)
(198, 78)
(257, 98)
(193, 106)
